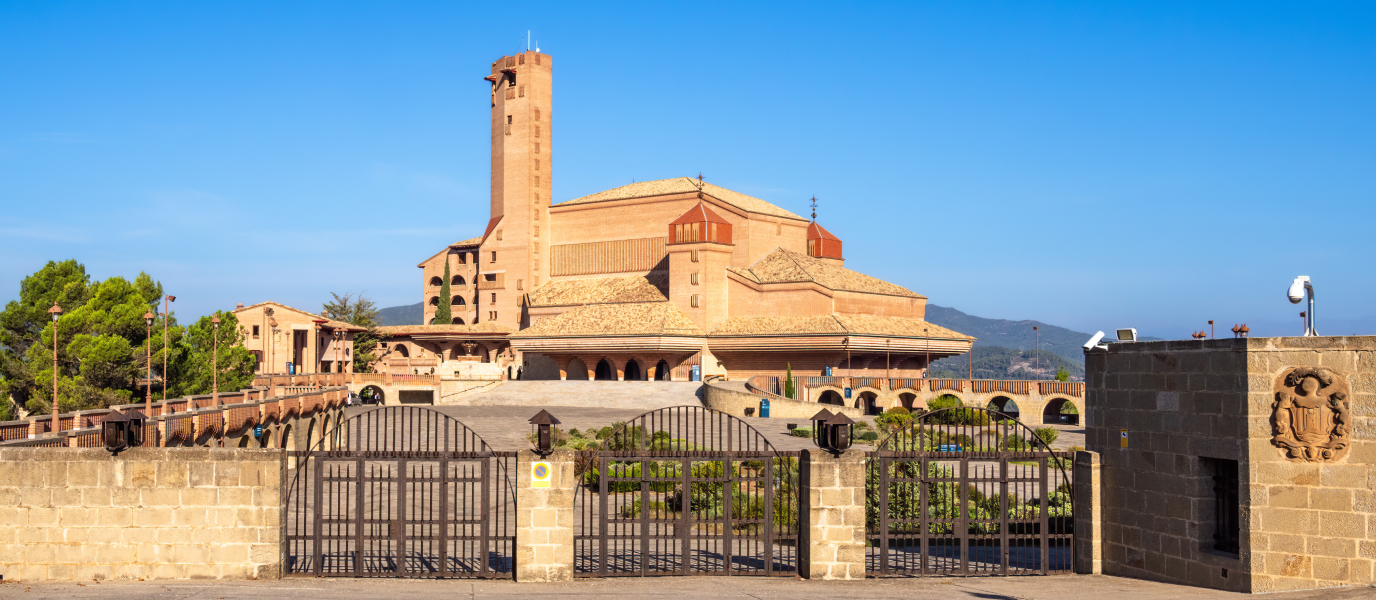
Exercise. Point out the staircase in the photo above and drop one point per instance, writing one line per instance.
(644, 395)
(452, 393)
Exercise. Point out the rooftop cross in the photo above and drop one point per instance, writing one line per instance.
(814, 208)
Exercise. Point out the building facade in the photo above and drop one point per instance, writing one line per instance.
(283, 338)
(648, 280)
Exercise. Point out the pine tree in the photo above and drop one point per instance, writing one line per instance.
(442, 315)
(788, 382)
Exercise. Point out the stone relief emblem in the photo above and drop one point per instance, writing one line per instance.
(1310, 418)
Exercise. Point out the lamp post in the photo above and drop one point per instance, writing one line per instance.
(55, 311)
(338, 341)
(215, 372)
(544, 440)
(1211, 329)
(1039, 352)
(846, 343)
(888, 370)
(148, 382)
(165, 376)
(927, 340)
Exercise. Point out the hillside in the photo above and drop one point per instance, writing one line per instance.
(411, 314)
(1016, 335)
(995, 362)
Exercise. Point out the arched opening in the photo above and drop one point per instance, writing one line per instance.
(457, 301)
(510, 373)
(457, 280)
(604, 371)
(869, 401)
(456, 321)
(907, 399)
(633, 371)
(401, 351)
(436, 281)
(831, 397)
(266, 441)
(1061, 412)
(1004, 405)
(245, 441)
(434, 301)
(286, 440)
(577, 371)
(662, 371)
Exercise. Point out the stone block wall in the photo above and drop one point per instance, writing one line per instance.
(544, 518)
(834, 505)
(149, 513)
(1191, 411)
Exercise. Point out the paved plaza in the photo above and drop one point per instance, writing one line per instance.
(1065, 587)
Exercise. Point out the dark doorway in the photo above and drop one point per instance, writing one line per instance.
(831, 397)
(633, 371)
(662, 371)
(869, 401)
(604, 371)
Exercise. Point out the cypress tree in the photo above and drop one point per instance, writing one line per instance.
(788, 382)
(442, 314)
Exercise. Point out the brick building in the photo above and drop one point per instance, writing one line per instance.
(646, 280)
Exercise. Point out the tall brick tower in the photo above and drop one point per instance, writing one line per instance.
(514, 255)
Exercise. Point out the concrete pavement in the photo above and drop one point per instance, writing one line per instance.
(1065, 587)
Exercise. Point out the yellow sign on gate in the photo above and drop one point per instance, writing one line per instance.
(539, 475)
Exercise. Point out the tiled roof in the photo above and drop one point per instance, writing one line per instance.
(834, 324)
(642, 318)
(329, 323)
(682, 185)
(786, 266)
(486, 328)
(468, 242)
(607, 290)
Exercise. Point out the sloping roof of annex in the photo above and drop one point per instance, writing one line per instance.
(602, 290)
(329, 323)
(486, 328)
(625, 319)
(684, 185)
(786, 266)
(835, 324)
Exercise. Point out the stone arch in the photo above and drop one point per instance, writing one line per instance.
(1005, 405)
(436, 281)
(245, 441)
(941, 393)
(457, 301)
(456, 321)
(325, 432)
(434, 301)
(907, 399)
(401, 350)
(867, 401)
(1052, 415)
(266, 441)
(604, 371)
(375, 394)
(311, 432)
(286, 440)
(633, 372)
(831, 397)
(577, 370)
(457, 280)
(662, 370)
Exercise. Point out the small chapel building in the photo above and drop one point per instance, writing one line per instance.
(647, 280)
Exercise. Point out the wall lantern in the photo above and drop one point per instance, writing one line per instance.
(544, 439)
(122, 430)
(832, 432)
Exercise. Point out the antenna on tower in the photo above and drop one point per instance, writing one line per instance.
(527, 40)
(814, 208)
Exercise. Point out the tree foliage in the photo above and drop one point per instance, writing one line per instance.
(788, 383)
(443, 316)
(363, 312)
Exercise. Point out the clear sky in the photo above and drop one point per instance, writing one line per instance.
(1091, 165)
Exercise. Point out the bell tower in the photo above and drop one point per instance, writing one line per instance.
(514, 255)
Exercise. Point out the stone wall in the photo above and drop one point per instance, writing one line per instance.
(154, 513)
(1188, 410)
(732, 398)
(834, 503)
(544, 518)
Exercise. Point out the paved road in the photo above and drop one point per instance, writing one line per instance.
(1069, 587)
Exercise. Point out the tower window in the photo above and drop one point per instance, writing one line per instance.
(519, 283)
(494, 297)
(694, 300)
(694, 278)
(255, 331)
(494, 256)
(508, 119)
(499, 235)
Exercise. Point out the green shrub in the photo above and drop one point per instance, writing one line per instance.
(1015, 442)
(898, 410)
(870, 436)
(802, 432)
(1048, 434)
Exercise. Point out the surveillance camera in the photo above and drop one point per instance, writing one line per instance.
(1296, 292)
(1094, 341)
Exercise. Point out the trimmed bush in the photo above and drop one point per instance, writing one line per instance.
(1048, 434)
(802, 432)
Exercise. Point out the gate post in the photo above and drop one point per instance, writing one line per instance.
(1088, 515)
(544, 518)
(834, 508)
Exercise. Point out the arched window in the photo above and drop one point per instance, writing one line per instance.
(457, 280)
(632, 372)
(436, 281)
(401, 351)
(456, 321)
(457, 301)
(434, 301)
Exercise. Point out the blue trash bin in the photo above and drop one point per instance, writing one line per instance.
(764, 408)
(291, 369)
(828, 371)
(695, 374)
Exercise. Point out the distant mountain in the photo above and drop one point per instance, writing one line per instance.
(995, 362)
(411, 314)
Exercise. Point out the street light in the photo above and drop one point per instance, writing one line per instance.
(1298, 290)
(165, 375)
(1039, 352)
(148, 382)
(55, 311)
(542, 422)
(215, 373)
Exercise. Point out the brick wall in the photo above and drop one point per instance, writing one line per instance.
(154, 513)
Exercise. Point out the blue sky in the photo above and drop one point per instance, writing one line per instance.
(1092, 165)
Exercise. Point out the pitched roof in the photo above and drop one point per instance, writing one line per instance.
(485, 327)
(815, 231)
(639, 318)
(330, 323)
(683, 185)
(834, 324)
(699, 214)
(606, 290)
(786, 266)
(468, 242)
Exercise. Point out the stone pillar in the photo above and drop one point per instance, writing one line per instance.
(544, 519)
(619, 364)
(1089, 547)
(834, 506)
(563, 363)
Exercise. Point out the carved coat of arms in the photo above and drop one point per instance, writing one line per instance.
(1310, 418)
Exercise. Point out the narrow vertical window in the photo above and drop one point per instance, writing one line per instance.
(694, 300)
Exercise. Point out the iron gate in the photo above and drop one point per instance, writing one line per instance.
(400, 491)
(686, 490)
(967, 491)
